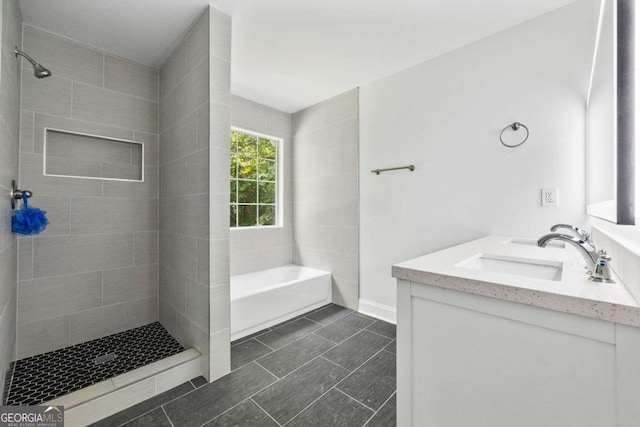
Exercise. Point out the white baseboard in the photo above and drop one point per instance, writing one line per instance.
(379, 311)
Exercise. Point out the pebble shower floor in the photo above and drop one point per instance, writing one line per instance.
(44, 377)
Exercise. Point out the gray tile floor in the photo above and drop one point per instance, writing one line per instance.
(328, 367)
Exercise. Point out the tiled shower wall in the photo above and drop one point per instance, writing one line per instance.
(94, 270)
(267, 247)
(11, 35)
(325, 192)
(194, 191)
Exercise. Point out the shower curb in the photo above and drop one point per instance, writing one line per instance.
(108, 397)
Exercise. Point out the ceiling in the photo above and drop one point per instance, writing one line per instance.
(289, 54)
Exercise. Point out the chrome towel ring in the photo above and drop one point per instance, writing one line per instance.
(515, 126)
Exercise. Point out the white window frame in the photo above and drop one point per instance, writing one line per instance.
(279, 178)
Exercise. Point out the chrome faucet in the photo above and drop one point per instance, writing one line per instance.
(580, 233)
(590, 256)
(596, 260)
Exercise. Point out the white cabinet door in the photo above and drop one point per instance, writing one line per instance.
(470, 367)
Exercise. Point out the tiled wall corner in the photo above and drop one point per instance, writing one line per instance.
(255, 249)
(10, 75)
(219, 360)
(325, 192)
(94, 270)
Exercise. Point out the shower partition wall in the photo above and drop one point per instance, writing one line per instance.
(218, 255)
(194, 192)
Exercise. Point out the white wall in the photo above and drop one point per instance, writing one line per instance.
(445, 116)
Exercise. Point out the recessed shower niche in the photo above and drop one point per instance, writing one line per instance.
(82, 155)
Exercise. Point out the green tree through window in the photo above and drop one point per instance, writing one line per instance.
(254, 174)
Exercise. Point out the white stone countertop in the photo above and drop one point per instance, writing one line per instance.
(573, 293)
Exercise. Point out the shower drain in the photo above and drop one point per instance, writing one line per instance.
(104, 358)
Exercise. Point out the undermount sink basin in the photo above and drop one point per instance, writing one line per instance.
(535, 269)
(534, 242)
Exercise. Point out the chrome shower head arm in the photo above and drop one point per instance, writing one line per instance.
(27, 57)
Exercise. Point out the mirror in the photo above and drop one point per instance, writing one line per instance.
(611, 116)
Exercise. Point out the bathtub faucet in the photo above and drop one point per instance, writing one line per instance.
(597, 261)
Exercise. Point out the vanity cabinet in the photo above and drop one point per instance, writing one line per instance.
(467, 360)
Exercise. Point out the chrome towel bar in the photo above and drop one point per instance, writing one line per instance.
(377, 171)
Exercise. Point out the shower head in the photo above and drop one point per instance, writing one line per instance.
(38, 70)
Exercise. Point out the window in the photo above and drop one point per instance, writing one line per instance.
(254, 180)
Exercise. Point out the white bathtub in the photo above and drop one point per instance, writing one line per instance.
(267, 297)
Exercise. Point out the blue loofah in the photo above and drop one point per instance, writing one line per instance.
(28, 220)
